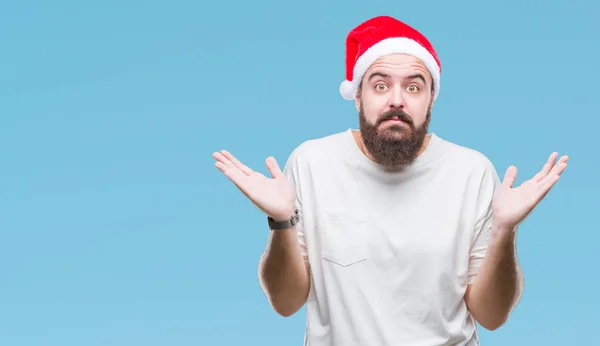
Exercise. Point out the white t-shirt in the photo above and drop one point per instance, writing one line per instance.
(391, 253)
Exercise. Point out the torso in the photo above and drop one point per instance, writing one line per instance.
(389, 253)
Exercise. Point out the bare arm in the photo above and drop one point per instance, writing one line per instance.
(499, 283)
(283, 273)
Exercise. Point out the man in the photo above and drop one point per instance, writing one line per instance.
(391, 235)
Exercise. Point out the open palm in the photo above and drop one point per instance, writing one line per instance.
(513, 204)
(275, 196)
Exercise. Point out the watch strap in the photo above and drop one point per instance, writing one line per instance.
(279, 225)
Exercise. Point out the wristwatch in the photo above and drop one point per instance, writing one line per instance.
(278, 225)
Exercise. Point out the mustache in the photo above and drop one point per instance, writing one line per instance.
(396, 113)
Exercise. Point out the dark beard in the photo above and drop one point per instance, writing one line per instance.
(397, 145)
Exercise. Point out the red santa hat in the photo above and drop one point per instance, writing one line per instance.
(381, 36)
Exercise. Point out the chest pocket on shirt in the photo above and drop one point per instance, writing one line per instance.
(343, 237)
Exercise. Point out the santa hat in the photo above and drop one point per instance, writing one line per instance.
(381, 36)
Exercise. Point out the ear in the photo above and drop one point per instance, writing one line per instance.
(357, 99)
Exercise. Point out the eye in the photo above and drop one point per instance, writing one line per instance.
(412, 88)
(380, 87)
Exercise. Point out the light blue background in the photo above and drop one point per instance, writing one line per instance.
(115, 227)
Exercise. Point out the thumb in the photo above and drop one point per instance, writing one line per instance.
(274, 168)
(509, 177)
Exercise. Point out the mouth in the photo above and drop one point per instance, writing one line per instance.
(394, 120)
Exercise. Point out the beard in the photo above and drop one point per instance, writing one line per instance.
(395, 145)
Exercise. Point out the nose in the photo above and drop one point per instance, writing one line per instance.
(397, 98)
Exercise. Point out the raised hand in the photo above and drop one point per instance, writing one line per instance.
(275, 196)
(513, 204)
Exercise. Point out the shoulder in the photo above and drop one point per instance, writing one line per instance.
(466, 157)
(317, 149)
(467, 162)
(309, 155)
(476, 172)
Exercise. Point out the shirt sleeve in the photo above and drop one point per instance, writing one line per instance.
(292, 171)
(483, 226)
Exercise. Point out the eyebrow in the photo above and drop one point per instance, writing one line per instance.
(383, 75)
(418, 76)
(378, 74)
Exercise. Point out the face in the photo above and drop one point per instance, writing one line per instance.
(394, 104)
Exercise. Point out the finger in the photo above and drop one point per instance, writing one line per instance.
(550, 180)
(563, 159)
(221, 158)
(558, 169)
(236, 162)
(547, 167)
(509, 177)
(221, 166)
(274, 167)
(235, 175)
(547, 183)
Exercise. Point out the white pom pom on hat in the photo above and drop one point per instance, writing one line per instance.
(381, 36)
(347, 90)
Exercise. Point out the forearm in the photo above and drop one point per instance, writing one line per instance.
(499, 283)
(283, 273)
